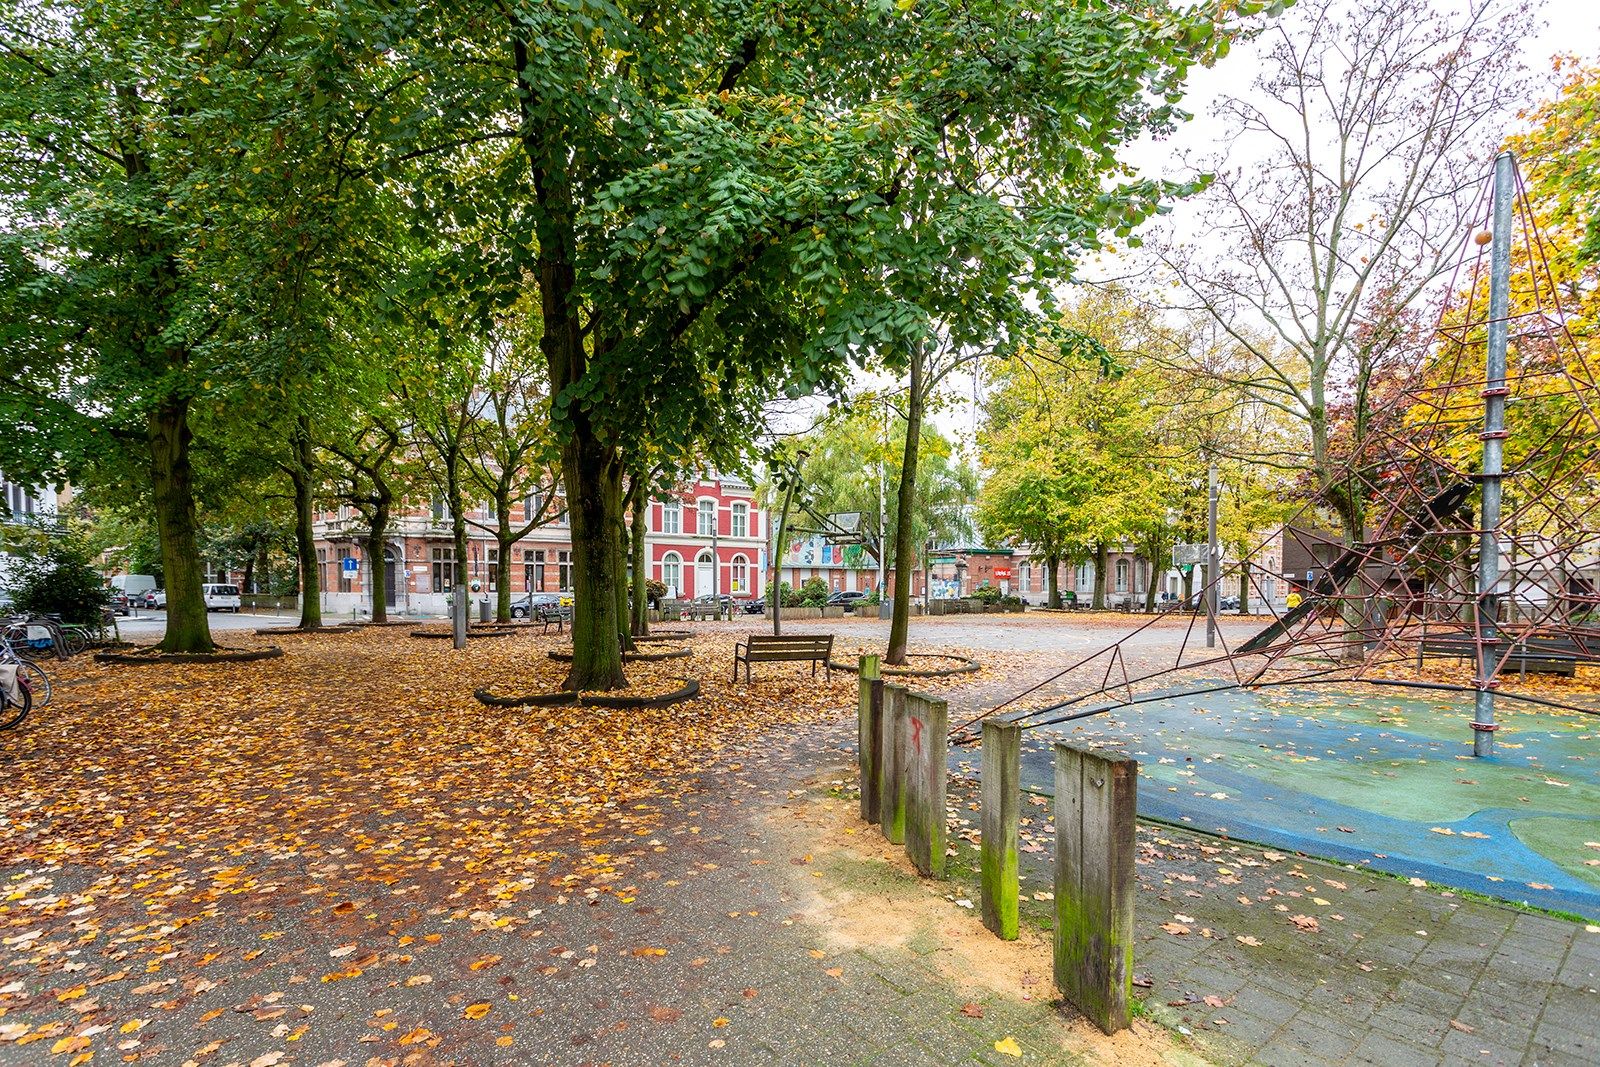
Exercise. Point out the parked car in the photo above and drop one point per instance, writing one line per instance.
(532, 603)
(756, 607)
(712, 598)
(845, 599)
(221, 597)
(132, 586)
(119, 603)
(155, 598)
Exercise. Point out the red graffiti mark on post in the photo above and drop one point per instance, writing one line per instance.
(916, 734)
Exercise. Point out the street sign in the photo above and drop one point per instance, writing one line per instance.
(1002, 572)
(350, 565)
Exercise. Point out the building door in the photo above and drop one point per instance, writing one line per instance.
(389, 578)
(702, 575)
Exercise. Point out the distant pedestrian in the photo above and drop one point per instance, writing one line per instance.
(1293, 600)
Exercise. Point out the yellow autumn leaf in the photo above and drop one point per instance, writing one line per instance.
(1008, 1045)
(476, 1011)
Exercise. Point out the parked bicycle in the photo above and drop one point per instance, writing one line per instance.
(32, 681)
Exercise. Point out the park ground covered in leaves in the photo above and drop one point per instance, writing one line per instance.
(330, 827)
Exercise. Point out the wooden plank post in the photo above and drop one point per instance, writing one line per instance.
(924, 763)
(1001, 798)
(869, 731)
(1096, 801)
(891, 777)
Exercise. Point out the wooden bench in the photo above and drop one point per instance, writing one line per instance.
(1532, 660)
(796, 648)
(556, 617)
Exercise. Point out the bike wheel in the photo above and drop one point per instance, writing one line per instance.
(11, 714)
(38, 681)
(77, 640)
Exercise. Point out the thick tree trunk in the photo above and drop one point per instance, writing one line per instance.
(377, 534)
(1244, 585)
(263, 567)
(1102, 556)
(1053, 579)
(305, 544)
(640, 507)
(592, 474)
(247, 579)
(906, 499)
(188, 629)
(1154, 559)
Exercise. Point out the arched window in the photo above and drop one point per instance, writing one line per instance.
(739, 581)
(672, 574)
(1122, 576)
(740, 519)
(708, 518)
(671, 518)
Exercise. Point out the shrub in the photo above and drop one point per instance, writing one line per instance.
(791, 599)
(987, 593)
(55, 574)
(654, 590)
(872, 597)
(813, 593)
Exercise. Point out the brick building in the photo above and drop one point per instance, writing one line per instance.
(716, 517)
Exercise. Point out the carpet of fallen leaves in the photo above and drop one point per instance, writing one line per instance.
(167, 827)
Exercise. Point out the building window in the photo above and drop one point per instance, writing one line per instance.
(672, 573)
(564, 571)
(671, 518)
(322, 568)
(1122, 576)
(1024, 577)
(739, 580)
(344, 575)
(707, 525)
(444, 568)
(441, 513)
(494, 568)
(533, 569)
(740, 518)
(19, 500)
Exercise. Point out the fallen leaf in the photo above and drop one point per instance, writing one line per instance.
(972, 1011)
(478, 1011)
(1007, 1045)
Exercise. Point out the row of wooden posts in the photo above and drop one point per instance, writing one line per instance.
(903, 755)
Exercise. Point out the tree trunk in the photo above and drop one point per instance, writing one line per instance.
(1244, 585)
(263, 567)
(247, 579)
(1154, 559)
(593, 477)
(458, 525)
(640, 506)
(619, 572)
(1102, 557)
(188, 629)
(1053, 579)
(507, 544)
(1188, 584)
(305, 543)
(906, 498)
(377, 534)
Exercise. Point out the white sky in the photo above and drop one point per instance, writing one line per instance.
(1568, 27)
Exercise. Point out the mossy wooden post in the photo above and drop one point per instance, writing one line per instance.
(891, 775)
(869, 730)
(1001, 800)
(925, 744)
(1096, 801)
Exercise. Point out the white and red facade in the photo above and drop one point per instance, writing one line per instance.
(709, 535)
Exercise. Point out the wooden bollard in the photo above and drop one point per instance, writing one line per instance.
(869, 734)
(924, 766)
(1096, 801)
(891, 778)
(1001, 803)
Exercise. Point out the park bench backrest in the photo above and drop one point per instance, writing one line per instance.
(770, 648)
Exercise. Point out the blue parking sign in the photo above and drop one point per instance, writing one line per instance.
(350, 565)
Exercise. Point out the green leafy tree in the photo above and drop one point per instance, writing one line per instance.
(720, 201)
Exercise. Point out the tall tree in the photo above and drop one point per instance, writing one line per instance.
(717, 200)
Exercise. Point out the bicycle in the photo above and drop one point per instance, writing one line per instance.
(29, 673)
(13, 711)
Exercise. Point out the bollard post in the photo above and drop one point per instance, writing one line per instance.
(1001, 804)
(869, 729)
(891, 776)
(1096, 801)
(924, 766)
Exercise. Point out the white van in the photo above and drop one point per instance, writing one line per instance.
(221, 597)
(134, 586)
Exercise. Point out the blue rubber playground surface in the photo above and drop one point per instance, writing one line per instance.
(1380, 781)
